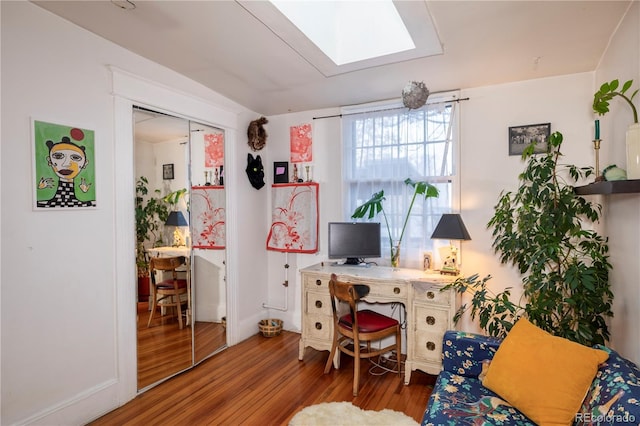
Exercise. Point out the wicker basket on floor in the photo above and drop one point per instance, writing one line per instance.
(270, 327)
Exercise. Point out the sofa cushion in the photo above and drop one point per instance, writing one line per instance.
(544, 376)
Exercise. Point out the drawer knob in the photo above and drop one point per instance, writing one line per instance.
(396, 290)
(430, 295)
(318, 326)
(431, 320)
(318, 304)
(318, 282)
(431, 346)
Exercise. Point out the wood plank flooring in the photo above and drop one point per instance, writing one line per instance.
(261, 382)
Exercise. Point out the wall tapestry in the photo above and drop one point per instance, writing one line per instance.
(208, 215)
(64, 167)
(301, 143)
(214, 149)
(294, 224)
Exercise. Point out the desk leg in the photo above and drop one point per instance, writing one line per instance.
(407, 373)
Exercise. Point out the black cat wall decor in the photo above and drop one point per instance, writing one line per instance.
(255, 171)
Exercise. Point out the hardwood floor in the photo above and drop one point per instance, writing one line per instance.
(164, 349)
(261, 382)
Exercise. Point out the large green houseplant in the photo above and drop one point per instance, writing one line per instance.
(151, 213)
(545, 230)
(374, 205)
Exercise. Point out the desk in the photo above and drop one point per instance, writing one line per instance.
(429, 311)
(176, 251)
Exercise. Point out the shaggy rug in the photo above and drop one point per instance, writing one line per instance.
(345, 413)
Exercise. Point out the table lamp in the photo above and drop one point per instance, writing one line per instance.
(451, 228)
(177, 219)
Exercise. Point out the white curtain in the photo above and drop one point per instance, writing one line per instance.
(385, 146)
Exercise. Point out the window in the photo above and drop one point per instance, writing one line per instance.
(384, 147)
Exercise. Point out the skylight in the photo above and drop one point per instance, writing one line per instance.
(337, 36)
(349, 31)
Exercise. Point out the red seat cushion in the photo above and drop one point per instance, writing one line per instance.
(368, 321)
(168, 284)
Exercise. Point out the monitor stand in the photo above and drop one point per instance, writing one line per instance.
(352, 261)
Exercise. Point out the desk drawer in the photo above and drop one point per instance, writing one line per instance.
(317, 303)
(315, 283)
(428, 345)
(432, 295)
(318, 327)
(389, 291)
(429, 319)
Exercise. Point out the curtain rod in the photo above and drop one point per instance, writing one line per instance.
(385, 109)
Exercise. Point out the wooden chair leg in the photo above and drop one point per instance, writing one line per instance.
(356, 368)
(398, 349)
(153, 310)
(327, 366)
(178, 309)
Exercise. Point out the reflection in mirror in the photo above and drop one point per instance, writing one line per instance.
(208, 239)
(161, 167)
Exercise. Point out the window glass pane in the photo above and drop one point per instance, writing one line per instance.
(381, 150)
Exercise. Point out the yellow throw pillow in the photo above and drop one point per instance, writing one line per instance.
(544, 376)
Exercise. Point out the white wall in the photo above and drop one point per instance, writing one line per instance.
(68, 340)
(622, 61)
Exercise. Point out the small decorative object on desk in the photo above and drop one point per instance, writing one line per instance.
(270, 327)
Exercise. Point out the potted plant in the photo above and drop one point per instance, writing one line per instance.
(373, 206)
(151, 213)
(544, 230)
(601, 101)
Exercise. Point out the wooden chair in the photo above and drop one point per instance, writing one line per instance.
(167, 291)
(358, 327)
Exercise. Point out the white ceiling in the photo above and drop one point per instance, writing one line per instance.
(223, 46)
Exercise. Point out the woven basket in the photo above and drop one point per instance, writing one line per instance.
(270, 327)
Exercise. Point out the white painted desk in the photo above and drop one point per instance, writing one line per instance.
(429, 311)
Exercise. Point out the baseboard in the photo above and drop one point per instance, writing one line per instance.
(81, 409)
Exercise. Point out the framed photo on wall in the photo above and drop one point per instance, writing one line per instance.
(167, 171)
(521, 136)
(280, 172)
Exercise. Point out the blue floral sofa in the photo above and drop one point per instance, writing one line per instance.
(459, 398)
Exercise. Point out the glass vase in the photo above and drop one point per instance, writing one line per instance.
(395, 254)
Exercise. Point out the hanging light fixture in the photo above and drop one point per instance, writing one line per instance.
(415, 94)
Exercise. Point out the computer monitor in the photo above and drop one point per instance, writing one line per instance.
(354, 241)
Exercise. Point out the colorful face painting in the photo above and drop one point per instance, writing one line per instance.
(64, 167)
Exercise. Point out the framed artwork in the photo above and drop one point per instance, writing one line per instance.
(294, 218)
(427, 261)
(64, 167)
(167, 171)
(301, 143)
(521, 136)
(280, 172)
(208, 216)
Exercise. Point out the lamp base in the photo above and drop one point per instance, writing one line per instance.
(448, 271)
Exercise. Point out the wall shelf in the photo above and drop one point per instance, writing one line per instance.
(609, 187)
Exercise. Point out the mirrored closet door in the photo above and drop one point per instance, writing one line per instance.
(179, 214)
(208, 239)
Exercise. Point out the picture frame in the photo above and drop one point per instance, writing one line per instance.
(521, 136)
(167, 171)
(280, 172)
(427, 261)
(64, 166)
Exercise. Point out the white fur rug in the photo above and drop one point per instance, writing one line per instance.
(345, 413)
